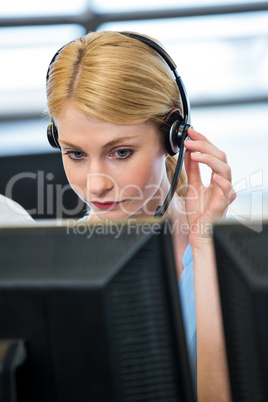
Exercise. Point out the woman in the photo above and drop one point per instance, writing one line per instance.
(110, 97)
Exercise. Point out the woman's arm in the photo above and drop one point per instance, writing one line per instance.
(203, 206)
(212, 373)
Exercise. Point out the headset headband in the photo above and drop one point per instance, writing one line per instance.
(172, 66)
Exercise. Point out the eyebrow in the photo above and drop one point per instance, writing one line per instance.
(111, 143)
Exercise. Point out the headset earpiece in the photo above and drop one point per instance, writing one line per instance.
(174, 129)
(52, 135)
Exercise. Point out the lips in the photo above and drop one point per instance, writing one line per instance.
(105, 205)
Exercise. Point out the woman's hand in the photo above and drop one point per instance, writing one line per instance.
(205, 204)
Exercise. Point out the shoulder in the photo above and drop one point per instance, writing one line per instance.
(88, 217)
(12, 212)
(84, 219)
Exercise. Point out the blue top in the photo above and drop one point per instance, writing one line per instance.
(187, 296)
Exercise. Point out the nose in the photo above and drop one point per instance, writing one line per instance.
(99, 184)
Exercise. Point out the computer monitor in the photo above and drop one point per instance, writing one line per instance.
(242, 266)
(91, 312)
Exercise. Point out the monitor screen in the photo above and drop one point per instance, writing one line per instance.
(91, 312)
(242, 266)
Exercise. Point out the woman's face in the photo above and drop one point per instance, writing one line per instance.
(119, 171)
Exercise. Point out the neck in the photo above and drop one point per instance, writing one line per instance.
(179, 229)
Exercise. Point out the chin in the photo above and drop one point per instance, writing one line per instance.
(127, 211)
(120, 215)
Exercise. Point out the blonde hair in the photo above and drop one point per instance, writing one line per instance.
(117, 79)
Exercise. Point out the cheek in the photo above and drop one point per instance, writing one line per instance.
(76, 180)
(143, 178)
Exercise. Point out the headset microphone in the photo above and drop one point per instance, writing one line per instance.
(181, 136)
(176, 126)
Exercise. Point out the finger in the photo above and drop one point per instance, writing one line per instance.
(192, 170)
(195, 135)
(226, 188)
(223, 196)
(217, 165)
(218, 205)
(205, 147)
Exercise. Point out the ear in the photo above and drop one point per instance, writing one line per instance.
(172, 130)
(175, 109)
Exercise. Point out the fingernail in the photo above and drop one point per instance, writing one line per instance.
(195, 155)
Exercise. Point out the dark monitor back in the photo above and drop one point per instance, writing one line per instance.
(38, 183)
(242, 264)
(98, 311)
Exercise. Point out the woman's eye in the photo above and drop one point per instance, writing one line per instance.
(123, 153)
(75, 155)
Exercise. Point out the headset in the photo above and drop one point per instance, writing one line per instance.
(175, 128)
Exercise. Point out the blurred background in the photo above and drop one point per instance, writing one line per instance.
(220, 48)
